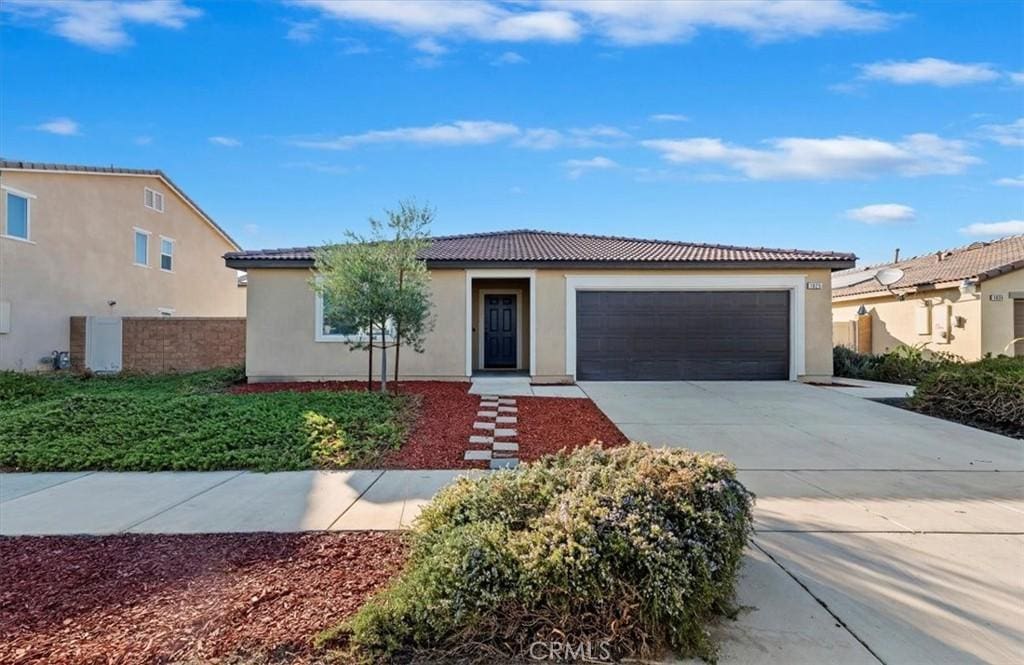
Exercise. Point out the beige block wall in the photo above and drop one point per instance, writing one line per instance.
(281, 330)
(997, 315)
(81, 256)
(894, 322)
(281, 327)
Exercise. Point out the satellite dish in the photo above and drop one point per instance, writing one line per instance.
(889, 276)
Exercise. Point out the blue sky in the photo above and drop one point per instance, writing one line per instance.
(826, 125)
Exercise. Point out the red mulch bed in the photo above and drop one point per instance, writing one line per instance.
(549, 424)
(439, 438)
(196, 598)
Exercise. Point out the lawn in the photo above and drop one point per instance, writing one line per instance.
(190, 422)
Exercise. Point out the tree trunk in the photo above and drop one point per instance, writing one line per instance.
(383, 358)
(398, 325)
(369, 371)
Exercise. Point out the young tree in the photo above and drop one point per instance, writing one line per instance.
(374, 285)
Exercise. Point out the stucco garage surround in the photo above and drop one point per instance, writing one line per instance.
(282, 320)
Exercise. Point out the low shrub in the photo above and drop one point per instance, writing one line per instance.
(987, 394)
(620, 552)
(188, 422)
(904, 364)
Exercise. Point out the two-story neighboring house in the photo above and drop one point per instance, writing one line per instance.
(98, 241)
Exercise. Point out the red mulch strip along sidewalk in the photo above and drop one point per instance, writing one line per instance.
(549, 424)
(196, 598)
(439, 438)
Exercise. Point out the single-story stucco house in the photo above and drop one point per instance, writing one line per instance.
(565, 306)
(968, 301)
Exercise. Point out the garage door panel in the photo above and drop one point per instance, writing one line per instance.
(682, 335)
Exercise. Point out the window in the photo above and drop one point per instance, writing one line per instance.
(154, 200)
(334, 326)
(141, 248)
(17, 216)
(332, 322)
(166, 254)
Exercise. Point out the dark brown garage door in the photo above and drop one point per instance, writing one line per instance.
(682, 335)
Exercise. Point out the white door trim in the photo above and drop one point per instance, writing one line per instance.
(518, 293)
(501, 274)
(795, 284)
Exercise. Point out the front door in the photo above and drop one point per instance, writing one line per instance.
(500, 331)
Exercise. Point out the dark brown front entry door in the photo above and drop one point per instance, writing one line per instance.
(682, 335)
(500, 331)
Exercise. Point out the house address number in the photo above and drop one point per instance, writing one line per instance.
(814, 286)
(995, 296)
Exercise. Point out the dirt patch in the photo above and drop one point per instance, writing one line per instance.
(195, 598)
(549, 424)
(440, 435)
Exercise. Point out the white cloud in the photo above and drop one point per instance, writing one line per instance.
(350, 46)
(545, 138)
(882, 213)
(143, 140)
(59, 126)
(461, 132)
(1008, 135)
(629, 23)
(931, 71)
(430, 46)
(823, 159)
(225, 141)
(1016, 77)
(100, 24)
(484, 21)
(638, 22)
(1011, 182)
(578, 167)
(326, 169)
(509, 58)
(991, 229)
(301, 31)
(252, 229)
(668, 117)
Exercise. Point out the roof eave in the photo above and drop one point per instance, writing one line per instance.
(246, 263)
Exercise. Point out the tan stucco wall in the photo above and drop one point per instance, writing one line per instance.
(281, 336)
(997, 316)
(82, 254)
(894, 322)
(281, 327)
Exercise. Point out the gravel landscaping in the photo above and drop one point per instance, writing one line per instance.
(140, 599)
(447, 411)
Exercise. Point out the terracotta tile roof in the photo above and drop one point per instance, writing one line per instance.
(538, 247)
(979, 260)
(11, 164)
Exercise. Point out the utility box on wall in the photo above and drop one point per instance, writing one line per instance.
(5, 317)
(923, 318)
(942, 324)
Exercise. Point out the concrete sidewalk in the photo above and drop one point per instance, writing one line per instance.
(214, 502)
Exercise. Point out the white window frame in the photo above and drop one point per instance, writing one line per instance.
(28, 214)
(795, 284)
(320, 336)
(498, 273)
(157, 196)
(162, 255)
(149, 236)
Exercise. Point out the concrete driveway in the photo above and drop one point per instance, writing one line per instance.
(882, 535)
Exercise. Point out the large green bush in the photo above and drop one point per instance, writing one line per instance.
(622, 552)
(904, 364)
(188, 422)
(987, 394)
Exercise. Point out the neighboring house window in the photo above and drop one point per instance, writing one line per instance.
(166, 254)
(141, 247)
(17, 215)
(154, 200)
